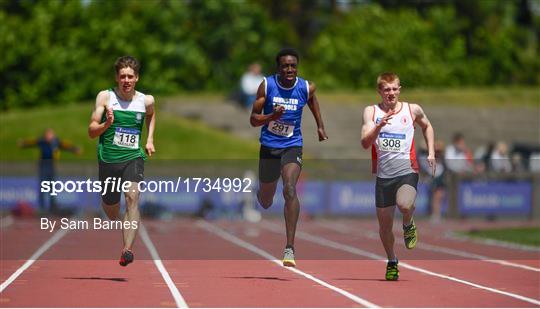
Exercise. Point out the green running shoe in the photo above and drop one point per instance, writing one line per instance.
(392, 271)
(410, 235)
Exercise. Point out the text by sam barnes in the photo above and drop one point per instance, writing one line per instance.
(95, 224)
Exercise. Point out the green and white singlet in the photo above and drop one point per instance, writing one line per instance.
(121, 142)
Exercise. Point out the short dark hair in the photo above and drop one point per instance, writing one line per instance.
(127, 62)
(287, 52)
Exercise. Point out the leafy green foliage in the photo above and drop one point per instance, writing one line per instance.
(425, 51)
(63, 51)
(59, 51)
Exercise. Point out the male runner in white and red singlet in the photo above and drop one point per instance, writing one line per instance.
(389, 129)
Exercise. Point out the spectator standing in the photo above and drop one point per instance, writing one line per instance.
(249, 84)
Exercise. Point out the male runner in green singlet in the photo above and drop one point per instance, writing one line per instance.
(118, 119)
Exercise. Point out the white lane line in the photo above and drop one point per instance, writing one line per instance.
(180, 302)
(335, 245)
(428, 247)
(46, 246)
(246, 245)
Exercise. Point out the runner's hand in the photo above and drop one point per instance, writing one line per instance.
(322, 134)
(110, 116)
(150, 148)
(386, 119)
(278, 112)
(432, 164)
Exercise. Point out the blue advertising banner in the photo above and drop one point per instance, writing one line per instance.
(14, 190)
(312, 196)
(352, 198)
(423, 200)
(178, 202)
(74, 193)
(339, 198)
(359, 198)
(495, 197)
(160, 194)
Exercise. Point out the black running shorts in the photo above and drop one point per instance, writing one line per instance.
(132, 170)
(386, 188)
(271, 160)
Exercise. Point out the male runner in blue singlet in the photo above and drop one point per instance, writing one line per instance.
(278, 109)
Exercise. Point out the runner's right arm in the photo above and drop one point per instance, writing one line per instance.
(96, 128)
(370, 130)
(257, 118)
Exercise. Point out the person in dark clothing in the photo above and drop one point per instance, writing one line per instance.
(49, 151)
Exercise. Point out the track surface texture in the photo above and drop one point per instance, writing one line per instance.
(194, 263)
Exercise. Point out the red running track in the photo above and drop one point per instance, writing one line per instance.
(225, 264)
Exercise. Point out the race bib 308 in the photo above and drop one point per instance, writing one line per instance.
(392, 142)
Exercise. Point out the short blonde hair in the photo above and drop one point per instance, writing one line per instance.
(386, 78)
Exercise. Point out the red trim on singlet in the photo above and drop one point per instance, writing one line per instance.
(373, 151)
(410, 111)
(412, 155)
(373, 160)
(412, 152)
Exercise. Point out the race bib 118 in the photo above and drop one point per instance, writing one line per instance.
(127, 138)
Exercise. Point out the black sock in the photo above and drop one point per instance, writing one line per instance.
(409, 224)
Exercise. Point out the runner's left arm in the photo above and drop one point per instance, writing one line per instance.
(150, 124)
(428, 132)
(313, 104)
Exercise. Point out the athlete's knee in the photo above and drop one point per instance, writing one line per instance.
(132, 200)
(111, 210)
(289, 191)
(406, 207)
(265, 202)
(405, 198)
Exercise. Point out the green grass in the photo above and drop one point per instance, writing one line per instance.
(175, 138)
(495, 96)
(178, 138)
(523, 235)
